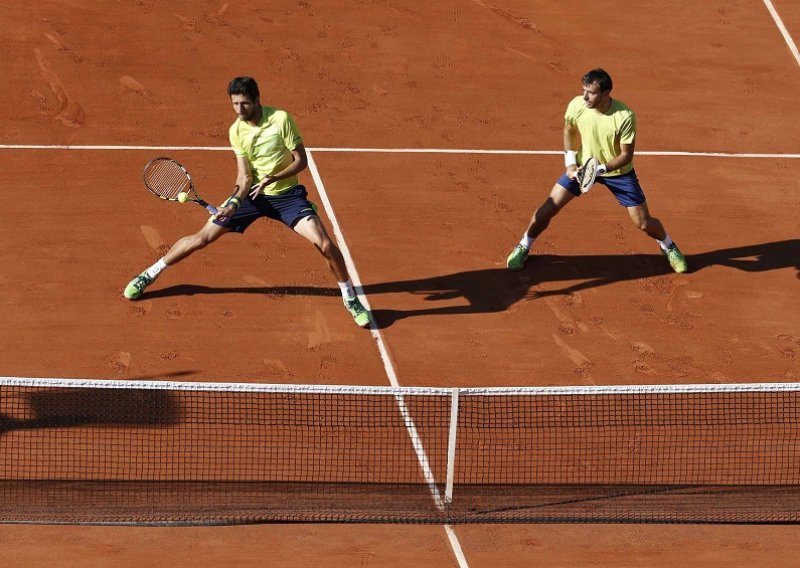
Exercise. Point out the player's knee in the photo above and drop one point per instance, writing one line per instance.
(546, 212)
(208, 235)
(642, 222)
(201, 240)
(325, 246)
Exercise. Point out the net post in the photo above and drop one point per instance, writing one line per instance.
(451, 446)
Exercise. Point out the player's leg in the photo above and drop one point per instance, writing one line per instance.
(630, 195)
(189, 244)
(558, 198)
(311, 228)
(295, 210)
(641, 217)
(182, 248)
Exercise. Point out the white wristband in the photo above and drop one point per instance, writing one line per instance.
(570, 158)
(601, 169)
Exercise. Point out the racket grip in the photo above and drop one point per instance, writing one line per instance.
(211, 209)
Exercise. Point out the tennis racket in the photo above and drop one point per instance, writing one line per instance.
(586, 174)
(167, 179)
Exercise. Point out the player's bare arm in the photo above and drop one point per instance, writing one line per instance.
(299, 163)
(244, 177)
(572, 144)
(624, 158)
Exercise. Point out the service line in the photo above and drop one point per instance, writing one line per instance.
(508, 152)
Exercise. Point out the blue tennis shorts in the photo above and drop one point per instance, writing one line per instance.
(625, 188)
(288, 208)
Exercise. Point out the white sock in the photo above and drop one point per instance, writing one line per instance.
(527, 241)
(666, 243)
(348, 293)
(156, 269)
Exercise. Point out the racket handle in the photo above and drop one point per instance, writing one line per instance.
(211, 209)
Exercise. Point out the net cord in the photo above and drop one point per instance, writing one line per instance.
(408, 391)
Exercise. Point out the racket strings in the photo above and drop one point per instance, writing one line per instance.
(167, 179)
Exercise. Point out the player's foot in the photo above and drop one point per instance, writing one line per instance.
(516, 260)
(360, 314)
(676, 259)
(136, 286)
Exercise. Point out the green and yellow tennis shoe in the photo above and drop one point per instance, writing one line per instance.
(516, 260)
(676, 259)
(136, 286)
(360, 314)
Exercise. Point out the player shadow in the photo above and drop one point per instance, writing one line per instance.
(752, 258)
(276, 291)
(496, 290)
(493, 290)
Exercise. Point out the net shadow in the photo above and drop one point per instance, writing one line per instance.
(66, 408)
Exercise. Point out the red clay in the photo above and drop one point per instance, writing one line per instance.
(428, 232)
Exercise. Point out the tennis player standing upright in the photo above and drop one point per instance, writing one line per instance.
(595, 125)
(269, 155)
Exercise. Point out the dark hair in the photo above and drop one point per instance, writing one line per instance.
(600, 77)
(244, 86)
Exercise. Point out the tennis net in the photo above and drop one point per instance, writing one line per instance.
(158, 453)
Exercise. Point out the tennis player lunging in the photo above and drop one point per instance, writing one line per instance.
(269, 155)
(604, 128)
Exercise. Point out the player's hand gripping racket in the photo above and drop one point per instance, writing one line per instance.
(169, 180)
(586, 174)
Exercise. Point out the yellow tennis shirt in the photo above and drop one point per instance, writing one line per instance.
(602, 133)
(268, 146)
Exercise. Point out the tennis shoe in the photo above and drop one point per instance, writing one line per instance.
(360, 314)
(516, 260)
(676, 259)
(136, 286)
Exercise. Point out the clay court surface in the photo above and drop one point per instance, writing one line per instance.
(714, 85)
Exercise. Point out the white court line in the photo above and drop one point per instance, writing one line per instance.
(422, 457)
(402, 151)
(786, 35)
